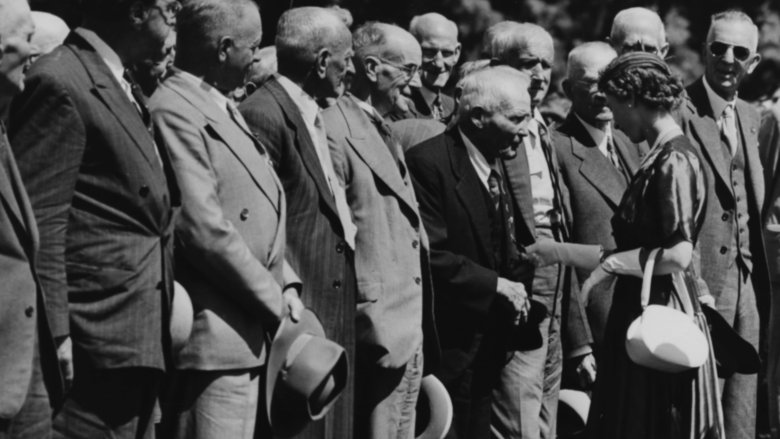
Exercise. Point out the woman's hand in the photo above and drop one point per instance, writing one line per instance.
(546, 252)
(596, 277)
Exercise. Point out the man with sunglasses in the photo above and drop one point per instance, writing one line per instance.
(104, 199)
(526, 400)
(438, 38)
(391, 247)
(638, 30)
(731, 257)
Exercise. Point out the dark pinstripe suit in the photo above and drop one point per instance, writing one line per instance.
(315, 240)
(104, 207)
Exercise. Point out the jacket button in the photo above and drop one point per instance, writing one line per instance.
(417, 280)
(725, 217)
(337, 284)
(415, 243)
(723, 250)
(144, 191)
(244, 214)
(340, 247)
(29, 311)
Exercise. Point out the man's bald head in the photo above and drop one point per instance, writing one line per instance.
(438, 38)
(638, 29)
(50, 31)
(586, 62)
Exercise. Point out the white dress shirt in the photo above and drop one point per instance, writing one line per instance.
(478, 161)
(541, 182)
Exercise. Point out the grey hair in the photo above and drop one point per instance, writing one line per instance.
(201, 24)
(735, 15)
(502, 41)
(487, 88)
(371, 38)
(416, 26)
(583, 49)
(302, 32)
(617, 33)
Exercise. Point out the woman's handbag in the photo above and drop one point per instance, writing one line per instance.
(663, 338)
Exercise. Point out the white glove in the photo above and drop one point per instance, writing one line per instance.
(597, 276)
(624, 263)
(547, 252)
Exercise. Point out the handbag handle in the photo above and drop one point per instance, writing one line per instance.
(647, 277)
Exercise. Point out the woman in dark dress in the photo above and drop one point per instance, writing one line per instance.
(663, 208)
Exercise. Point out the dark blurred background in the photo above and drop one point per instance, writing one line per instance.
(569, 21)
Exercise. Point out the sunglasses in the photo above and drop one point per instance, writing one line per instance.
(719, 49)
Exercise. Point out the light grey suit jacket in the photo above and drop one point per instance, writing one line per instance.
(230, 235)
(391, 247)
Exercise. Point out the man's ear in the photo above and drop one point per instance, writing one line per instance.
(371, 66)
(664, 50)
(223, 48)
(457, 53)
(138, 13)
(323, 58)
(753, 63)
(566, 84)
(477, 116)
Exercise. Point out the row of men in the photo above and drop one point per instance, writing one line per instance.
(278, 203)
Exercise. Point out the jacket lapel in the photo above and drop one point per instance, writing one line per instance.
(594, 167)
(469, 190)
(303, 141)
(705, 130)
(239, 141)
(630, 152)
(748, 127)
(108, 90)
(518, 175)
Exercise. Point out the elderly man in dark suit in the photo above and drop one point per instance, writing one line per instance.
(29, 376)
(732, 258)
(314, 51)
(103, 196)
(391, 256)
(525, 404)
(459, 179)
(231, 233)
(438, 38)
(596, 164)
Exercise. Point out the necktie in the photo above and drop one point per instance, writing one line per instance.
(503, 230)
(437, 111)
(338, 192)
(612, 153)
(556, 216)
(387, 136)
(728, 128)
(139, 100)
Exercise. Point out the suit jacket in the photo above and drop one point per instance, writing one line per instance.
(464, 274)
(315, 240)
(424, 111)
(700, 126)
(231, 232)
(595, 191)
(391, 248)
(104, 205)
(576, 335)
(22, 305)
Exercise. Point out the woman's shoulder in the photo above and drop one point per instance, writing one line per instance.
(679, 149)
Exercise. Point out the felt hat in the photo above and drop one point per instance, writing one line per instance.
(305, 375)
(732, 352)
(573, 407)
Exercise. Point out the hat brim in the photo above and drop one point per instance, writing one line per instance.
(732, 352)
(437, 407)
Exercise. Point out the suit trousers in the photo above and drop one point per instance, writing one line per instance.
(739, 391)
(34, 419)
(385, 399)
(109, 403)
(525, 401)
(212, 404)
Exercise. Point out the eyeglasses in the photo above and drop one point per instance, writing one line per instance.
(409, 69)
(429, 53)
(639, 46)
(169, 12)
(741, 53)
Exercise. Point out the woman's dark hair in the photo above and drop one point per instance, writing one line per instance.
(644, 77)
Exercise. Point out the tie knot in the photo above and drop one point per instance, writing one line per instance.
(729, 110)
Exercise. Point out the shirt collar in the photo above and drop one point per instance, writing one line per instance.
(478, 160)
(368, 108)
(104, 51)
(667, 134)
(219, 99)
(598, 135)
(717, 103)
(305, 103)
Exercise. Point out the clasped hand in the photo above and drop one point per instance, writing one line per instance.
(516, 295)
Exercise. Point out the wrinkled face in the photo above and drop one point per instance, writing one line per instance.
(339, 66)
(156, 30)
(505, 127)
(440, 53)
(535, 57)
(729, 56)
(627, 118)
(587, 101)
(243, 50)
(642, 37)
(16, 50)
(397, 70)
